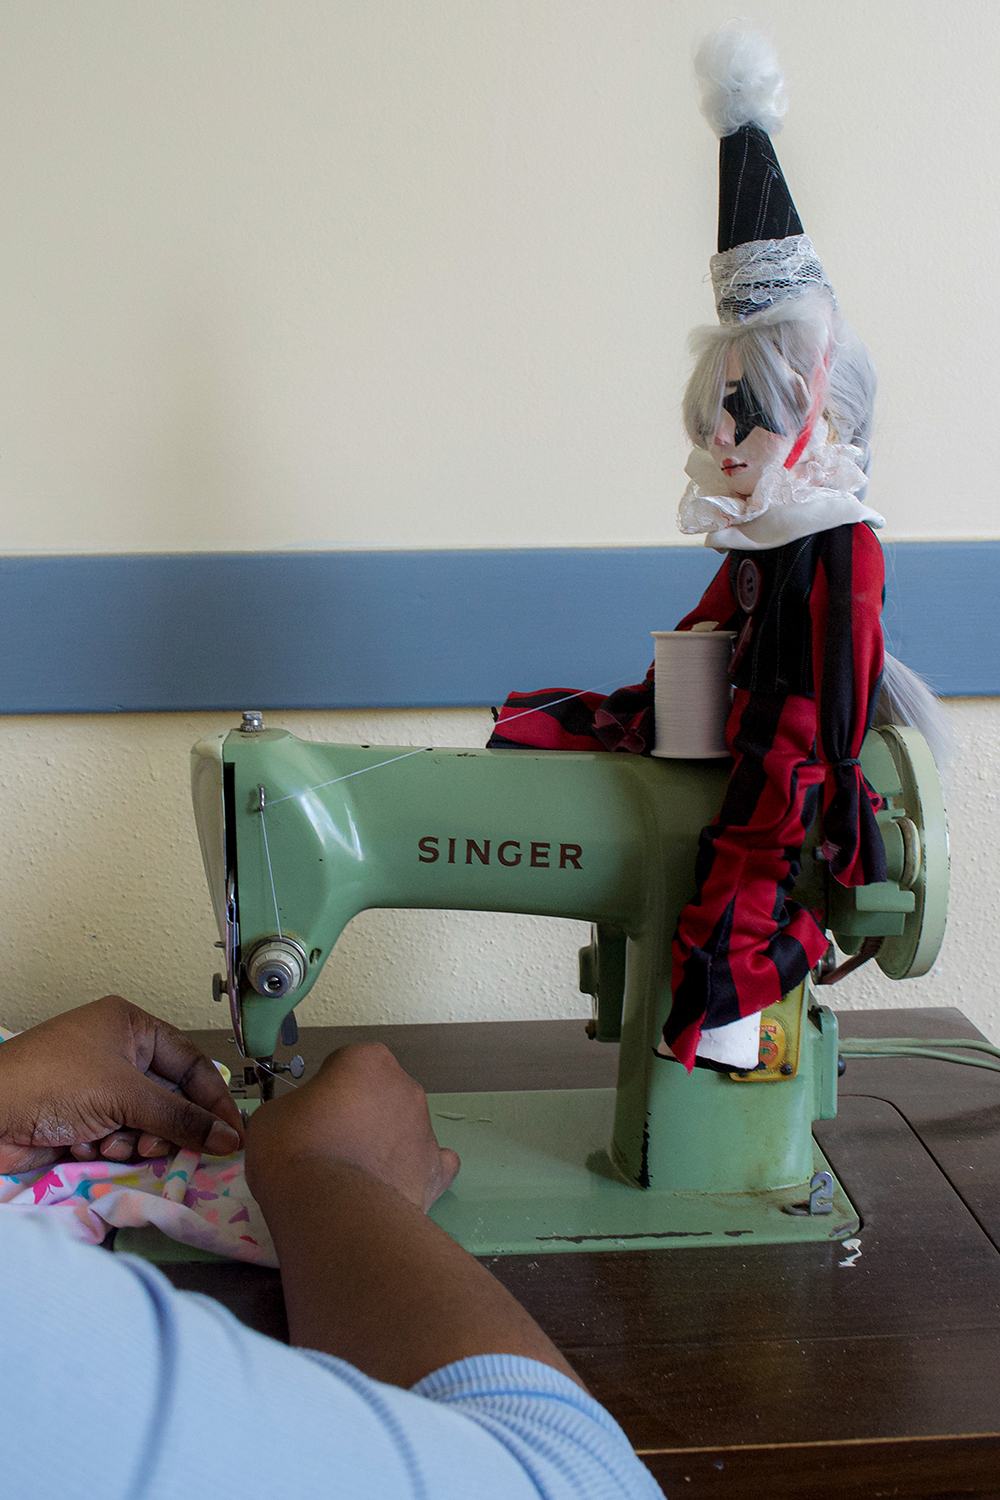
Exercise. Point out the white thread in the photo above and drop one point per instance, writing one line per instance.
(693, 693)
(421, 750)
(279, 1076)
(270, 872)
(541, 707)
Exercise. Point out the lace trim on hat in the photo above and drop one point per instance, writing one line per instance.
(762, 273)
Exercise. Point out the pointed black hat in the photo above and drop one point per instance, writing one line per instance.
(764, 257)
(754, 201)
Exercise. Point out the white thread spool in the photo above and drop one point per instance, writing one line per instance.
(693, 693)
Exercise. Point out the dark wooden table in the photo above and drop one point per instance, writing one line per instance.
(765, 1370)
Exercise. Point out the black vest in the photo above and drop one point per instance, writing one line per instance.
(774, 634)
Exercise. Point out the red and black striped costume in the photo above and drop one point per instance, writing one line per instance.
(807, 672)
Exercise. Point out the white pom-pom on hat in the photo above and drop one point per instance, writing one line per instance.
(741, 83)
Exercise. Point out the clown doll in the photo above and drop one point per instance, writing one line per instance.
(779, 409)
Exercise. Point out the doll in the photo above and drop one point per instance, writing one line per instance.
(779, 410)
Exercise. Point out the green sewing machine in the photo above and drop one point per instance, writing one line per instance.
(298, 838)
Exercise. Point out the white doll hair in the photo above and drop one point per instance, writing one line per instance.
(810, 340)
(773, 348)
(906, 699)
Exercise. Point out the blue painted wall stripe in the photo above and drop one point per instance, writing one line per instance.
(414, 629)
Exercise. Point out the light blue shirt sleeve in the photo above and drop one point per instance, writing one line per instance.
(114, 1384)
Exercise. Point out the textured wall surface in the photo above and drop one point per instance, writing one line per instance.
(101, 887)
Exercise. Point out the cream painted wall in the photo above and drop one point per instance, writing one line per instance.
(399, 274)
(101, 881)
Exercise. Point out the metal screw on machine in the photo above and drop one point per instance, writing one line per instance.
(275, 967)
(253, 721)
(295, 1065)
(219, 986)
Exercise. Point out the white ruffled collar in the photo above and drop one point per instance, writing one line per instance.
(816, 495)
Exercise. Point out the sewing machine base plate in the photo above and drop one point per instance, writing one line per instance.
(537, 1179)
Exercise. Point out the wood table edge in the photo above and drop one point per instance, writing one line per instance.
(910, 1468)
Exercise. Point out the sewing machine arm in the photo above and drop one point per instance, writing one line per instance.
(297, 838)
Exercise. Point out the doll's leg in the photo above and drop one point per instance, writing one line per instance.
(740, 943)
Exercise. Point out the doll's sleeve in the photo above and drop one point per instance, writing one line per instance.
(717, 603)
(846, 610)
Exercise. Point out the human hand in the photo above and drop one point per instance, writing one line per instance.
(76, 1083)
(360, 1108)
(345, 1169)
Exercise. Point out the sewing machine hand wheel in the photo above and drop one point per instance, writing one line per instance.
(910, 910)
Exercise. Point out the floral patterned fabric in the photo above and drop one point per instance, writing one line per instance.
(202, 1201)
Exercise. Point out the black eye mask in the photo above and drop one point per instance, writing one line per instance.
(746, 412)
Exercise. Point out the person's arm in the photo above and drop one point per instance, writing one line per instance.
(344, 1170)
(78, 1084)
(194, 1392)
(93, 1344)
